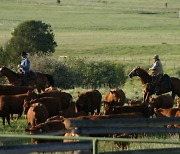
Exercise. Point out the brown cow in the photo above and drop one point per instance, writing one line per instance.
(99, 117)
(55, 127)
(89, 101)
(171, 112)
(37, 114)
(70, 112)
(114, 98)
(64, 98)
(52, 104)
(161, 101)
(14, 90)
(11, 104)
(142, 108)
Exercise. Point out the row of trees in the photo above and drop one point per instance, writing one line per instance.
(37, 39)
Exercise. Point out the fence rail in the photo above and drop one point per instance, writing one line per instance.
(101, 126)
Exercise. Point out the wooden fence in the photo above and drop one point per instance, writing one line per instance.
(85, 127)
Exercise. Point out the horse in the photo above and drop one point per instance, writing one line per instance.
(39, 80)
(146, 81)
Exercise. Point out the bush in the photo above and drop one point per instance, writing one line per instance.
(70, 73)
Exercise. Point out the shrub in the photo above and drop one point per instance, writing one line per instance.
(70, 73)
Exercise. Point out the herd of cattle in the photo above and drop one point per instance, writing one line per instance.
(46, 111)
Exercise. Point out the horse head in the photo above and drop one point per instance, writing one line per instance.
(143, 74)
(134, 72)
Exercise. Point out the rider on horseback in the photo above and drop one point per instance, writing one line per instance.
(24, 67)
(157, 72)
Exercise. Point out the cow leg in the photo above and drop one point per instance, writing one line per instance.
(92, 112)
(11, 115)
(8, 119)
(3, 118)
(18, 116)
(144, 97)
(173, 94)
(98, 110)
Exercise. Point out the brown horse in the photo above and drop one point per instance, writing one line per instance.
(40, 80)
(146, 80)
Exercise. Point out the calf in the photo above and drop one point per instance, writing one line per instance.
(114, 98)
(37, 114)
(56, 127)
(89, 102)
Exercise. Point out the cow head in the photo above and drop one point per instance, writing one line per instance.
(31, 95)
(114, 96)
(80, 102)
(159, 112)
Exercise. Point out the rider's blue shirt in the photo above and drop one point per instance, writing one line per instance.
(25, 65)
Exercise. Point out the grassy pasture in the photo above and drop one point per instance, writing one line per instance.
(124, 31)
(129, 32)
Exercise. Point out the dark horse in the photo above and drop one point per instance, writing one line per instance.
(40, 80)
(146, 80)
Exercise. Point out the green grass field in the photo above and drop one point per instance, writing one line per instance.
(122, 31)
(129, 32)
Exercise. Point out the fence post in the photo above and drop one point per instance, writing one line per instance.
(95, 147)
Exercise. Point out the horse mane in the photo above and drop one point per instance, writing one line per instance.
(145, 74)
(14, 73)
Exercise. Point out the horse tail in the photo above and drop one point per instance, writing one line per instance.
(50, 80)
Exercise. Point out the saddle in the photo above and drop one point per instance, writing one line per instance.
(162, 84)
(27, 77)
